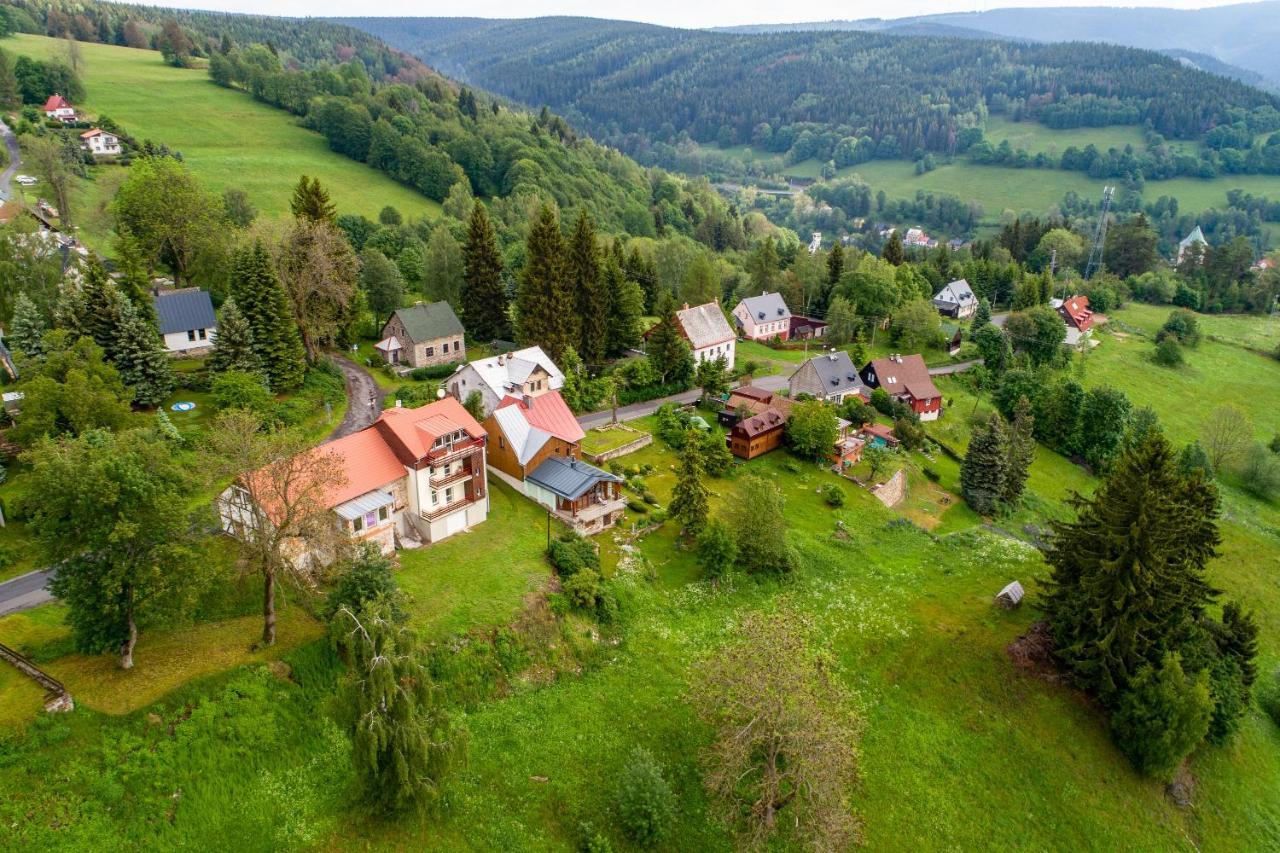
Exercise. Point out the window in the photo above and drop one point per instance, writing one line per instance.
(502, 442)
(191, 334)
(357, 524)
(435, 497)
(448, 494)
(370, 519)
(431, 351)
(457, 345)
(382, 513)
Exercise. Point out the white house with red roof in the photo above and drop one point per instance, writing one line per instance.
(99, 143)
(58, 107)
(415, 475)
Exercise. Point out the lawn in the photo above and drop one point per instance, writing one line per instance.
(226, 137)
(609, 438)
(1034, 137)
(479, 579)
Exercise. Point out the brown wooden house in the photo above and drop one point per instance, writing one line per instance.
(757, 434)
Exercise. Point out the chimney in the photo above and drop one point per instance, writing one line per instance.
(399, 402)
(686, 307)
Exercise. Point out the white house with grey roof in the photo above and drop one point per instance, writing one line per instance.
(763, 317)
(186, 319)
(956, 300)
(528, 372)
(1194, 239)
(709, 334)
(831, 377)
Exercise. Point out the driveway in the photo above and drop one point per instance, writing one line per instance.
(15, 160)
(364, 398)
(958, 367)
(24, 592)
(775, 382)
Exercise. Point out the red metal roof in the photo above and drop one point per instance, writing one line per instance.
(411, 432)
(550, 413)
(56, 102)
(1077, 308)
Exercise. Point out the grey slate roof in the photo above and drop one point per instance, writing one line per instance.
(705, 325)
(957, 293)
(428, 321)
(185, 309)
(766, 308)
(837, 374)
(569, 478)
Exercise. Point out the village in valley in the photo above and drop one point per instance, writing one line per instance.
(500, 521)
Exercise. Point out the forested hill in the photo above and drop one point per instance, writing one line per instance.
(296, 41)
(803, 92)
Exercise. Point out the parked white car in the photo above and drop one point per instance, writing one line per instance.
(26, 180)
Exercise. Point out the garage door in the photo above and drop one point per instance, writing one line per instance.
(455, 523)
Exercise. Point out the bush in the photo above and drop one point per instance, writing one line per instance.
(1162, 717)
(581, 588)
(650, 498)
(646, 803)
(1260, 473)
(365, 578)
(571, 554)
(1183, 326)
(833, 495)
(930, 474)
(435, 371)
(882, 402)
(637, 506)
(910, 433)
(237, 389)
(1168, 353)
(1269, 697)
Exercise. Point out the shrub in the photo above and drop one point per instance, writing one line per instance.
(571, 554)
(366, 578)
(1168, 353)
(237, 389)
(717, 549)
(1269, 697)
(1162, 717)
(646, 803)
(1181, 325)
(1260, 473)
(910, 433)
(581, 588)
(650, 498)
(637, 506)
(882, 402)
(833, 495)
(930, 474)
(436, 371)
(792, 466)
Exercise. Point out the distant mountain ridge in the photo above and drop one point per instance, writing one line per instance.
(1245, 35)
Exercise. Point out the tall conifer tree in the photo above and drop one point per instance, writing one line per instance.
(260, 295)
(667, 349)
(484, 299)
(139, 355)
(982, 474)
(27, 328)
(1022, 451)
(626, 307)
(544, 302)
(233, 347)
(589, 289)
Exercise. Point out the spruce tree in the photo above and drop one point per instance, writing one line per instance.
(134, 281)
(589, 290)
(689, 498)
(626, 307)
(982, 474)
(644, 273)
(233, 347)
(484, 299)
(893, 251)
(27, 328)
(1021, 452)
(982, 316)
(311, 201)
(94, 309)
(1127, 574)
(139, 355)
(544, 302)
(667, 349)
(260, 295)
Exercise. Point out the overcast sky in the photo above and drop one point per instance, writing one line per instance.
(676, 13)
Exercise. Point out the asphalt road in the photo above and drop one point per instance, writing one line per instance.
(775, 382)
(24, 592)
(15, 160)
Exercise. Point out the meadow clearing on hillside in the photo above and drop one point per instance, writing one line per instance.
(961, 749)
(226, 137)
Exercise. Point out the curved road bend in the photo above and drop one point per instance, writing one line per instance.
(364, 398)
(15, 160)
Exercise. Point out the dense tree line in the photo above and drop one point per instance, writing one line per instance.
(805, 94)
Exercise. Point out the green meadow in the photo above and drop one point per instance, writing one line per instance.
(226, 137)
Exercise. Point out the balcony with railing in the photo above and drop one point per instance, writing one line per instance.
(455, 450)
(443, 479)
(441, 510)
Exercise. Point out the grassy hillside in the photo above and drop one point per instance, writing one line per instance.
(227, 138)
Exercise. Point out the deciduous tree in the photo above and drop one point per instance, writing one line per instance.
(812, 429)
(168, 212)
(786, 735)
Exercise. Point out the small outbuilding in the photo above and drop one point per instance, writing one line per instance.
(1011, 596)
